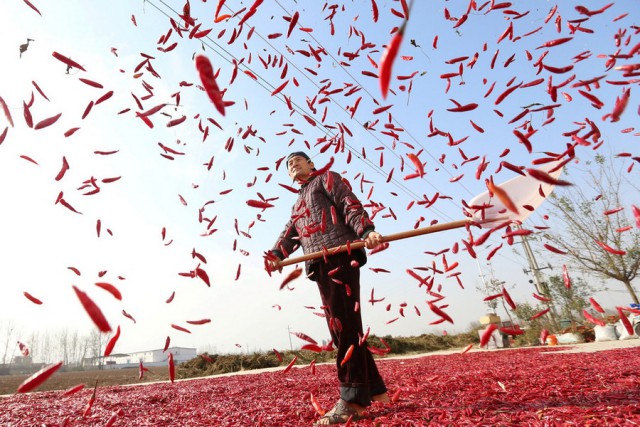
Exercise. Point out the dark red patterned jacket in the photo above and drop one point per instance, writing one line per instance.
(322, 200)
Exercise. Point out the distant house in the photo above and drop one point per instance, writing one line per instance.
(148, 358)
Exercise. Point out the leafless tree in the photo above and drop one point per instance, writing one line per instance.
(7, 340)
(589, 214)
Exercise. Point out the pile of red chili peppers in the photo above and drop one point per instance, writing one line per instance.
(532, 387)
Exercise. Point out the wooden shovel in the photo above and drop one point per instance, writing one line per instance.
(523, 190)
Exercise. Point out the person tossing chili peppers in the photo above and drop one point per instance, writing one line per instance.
(328, 214)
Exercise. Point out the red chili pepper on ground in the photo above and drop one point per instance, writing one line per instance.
(316, 405)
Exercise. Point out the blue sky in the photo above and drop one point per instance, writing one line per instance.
(42, 239)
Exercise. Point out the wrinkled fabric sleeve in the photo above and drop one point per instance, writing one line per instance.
(287, 241)
(347, 204)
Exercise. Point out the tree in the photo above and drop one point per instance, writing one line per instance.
(593, 221)
(572, 300)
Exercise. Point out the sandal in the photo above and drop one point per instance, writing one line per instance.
(340, 414)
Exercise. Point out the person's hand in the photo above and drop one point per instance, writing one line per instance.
(373, 239)
(271, 263)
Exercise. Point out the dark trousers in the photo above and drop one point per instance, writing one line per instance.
(340, 291)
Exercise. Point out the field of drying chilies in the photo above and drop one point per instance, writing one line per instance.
(141, 155)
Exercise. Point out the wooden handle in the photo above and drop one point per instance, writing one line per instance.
(388, 238)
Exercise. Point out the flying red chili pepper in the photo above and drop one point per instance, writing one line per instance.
(259, 204)
(347, 355)
(595, 305)
(290, 365)
(312, 347)
(540, 314)
(592, 319)
(636, 214)
(290, 277)
(111, 289)
(508, 299)
(38, 378)
(437, 310)
(93, 310)
(112, 342)
(172, 368)
(73, 390)
(554, 249)
(625, 321)
(205, 70)
(32, 298)
(486, 335)
(543, 336)
(67, 61)
(610, 249)
(304, 337)
(387, 59)
(47, 122)
(502, 196)
(565, 277)
(180, 328)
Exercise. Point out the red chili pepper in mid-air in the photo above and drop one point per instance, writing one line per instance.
(290, 365)
(38, 378)
(112, 342)
(93, 311)
(592, 319)
(172, 368)
(290, 277)
(486, 335)
(347, 355)
(67, 61)
(565, 277)
(610, 249)
(540, 314)
(205, 70)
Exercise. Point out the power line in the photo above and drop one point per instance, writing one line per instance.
(301, 110)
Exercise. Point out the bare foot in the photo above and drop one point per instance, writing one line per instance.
(384, 397)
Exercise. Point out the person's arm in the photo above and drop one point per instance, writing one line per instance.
(287, 241)
(351, 209)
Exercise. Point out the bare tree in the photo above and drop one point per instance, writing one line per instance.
(597, 235)
(7, 332)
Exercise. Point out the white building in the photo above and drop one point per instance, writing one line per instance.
(148, 358)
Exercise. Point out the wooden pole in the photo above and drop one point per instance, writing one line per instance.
(389, 238)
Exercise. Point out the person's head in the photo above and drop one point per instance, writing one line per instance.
(299, 166)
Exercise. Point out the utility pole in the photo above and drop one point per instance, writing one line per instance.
(290, 343)
(541, 285)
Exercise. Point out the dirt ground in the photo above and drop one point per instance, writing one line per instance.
(110, 377)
